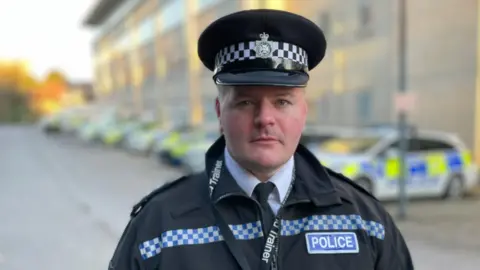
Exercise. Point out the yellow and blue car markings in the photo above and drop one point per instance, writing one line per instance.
(424, 168)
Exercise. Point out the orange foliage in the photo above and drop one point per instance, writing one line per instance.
(42, 95)
(14, 76)
(50, 91)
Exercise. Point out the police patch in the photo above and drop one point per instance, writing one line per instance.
(331, 242)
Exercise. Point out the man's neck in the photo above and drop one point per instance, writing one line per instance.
(262, 174)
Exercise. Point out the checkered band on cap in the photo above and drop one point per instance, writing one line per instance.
(246, 51)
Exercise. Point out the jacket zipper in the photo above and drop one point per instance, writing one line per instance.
(258, 216)
(275, 263)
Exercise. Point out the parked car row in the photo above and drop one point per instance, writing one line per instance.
(437, 163)
(174, 146)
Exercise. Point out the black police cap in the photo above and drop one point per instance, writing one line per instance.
(262, 47)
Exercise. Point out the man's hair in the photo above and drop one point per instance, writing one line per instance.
(223, 91)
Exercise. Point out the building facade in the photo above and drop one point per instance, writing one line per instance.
(146, 59)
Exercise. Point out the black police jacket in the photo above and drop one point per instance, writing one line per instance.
(327, 222)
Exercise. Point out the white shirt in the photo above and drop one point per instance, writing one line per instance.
(282, 179)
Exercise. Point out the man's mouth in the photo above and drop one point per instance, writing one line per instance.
(265, 139)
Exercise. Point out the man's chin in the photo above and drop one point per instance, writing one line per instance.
(268, 161)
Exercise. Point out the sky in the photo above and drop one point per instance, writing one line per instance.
(48, 34)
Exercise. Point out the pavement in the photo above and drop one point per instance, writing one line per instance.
(64, 204)
(443, 235)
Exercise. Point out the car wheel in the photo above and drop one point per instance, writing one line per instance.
(455, 189)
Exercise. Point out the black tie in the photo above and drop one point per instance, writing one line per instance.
(261, 192)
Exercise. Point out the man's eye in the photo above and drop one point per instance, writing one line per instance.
(283, 102)
(244, 103)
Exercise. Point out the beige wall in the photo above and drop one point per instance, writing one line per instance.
(442, 64)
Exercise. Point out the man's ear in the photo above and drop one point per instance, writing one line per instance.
(217, 107)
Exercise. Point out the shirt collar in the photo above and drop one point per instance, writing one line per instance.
(313, 182)
(247, 182)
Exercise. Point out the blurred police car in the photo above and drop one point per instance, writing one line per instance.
(191, 154)
(50, 123)
(438, 163)
(194, 158)
(313, 136)
(73, 121)
(93, 130)
(163, 145)
(142, 140)
(197, 135)
(115, 134)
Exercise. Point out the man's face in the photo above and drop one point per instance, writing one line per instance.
(262, 125)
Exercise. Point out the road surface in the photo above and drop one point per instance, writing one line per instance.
(64, 204)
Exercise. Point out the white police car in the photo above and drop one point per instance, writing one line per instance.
(438, 163)
(315, 135)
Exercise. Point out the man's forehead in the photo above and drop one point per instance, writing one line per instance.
(242, 91)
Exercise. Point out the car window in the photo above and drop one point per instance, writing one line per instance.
(348, 145)
(419, 144)
(431, 145)
(314, 138)
(148, 125)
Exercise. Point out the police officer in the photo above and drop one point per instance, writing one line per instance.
(263, 201)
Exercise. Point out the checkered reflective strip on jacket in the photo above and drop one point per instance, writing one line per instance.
(332, 223)
(253, 230)
(198, 236)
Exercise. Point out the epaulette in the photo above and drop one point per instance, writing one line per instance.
(137, 208)
(350, 181)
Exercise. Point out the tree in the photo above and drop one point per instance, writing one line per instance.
(14, 75)
(52, 87)
(16, 83)
(48, 94)
(56, 76)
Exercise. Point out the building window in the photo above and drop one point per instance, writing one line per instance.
(365, 19)
(179, 115)
(364, 106)
(339, 65)
(122, 42)
(227, 6)
(146, 30)
(205, 4)
(177, 71)
(324, 22)
(172, 15)
(209, 112)
(365, 15)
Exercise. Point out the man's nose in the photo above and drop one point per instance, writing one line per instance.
(264, 114)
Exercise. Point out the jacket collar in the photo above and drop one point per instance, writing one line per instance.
(226, 185)
(312, 183)
(281, 179)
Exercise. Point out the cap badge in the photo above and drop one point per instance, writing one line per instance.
(263, 48)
